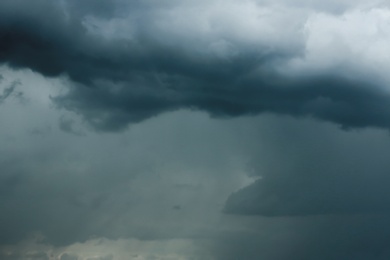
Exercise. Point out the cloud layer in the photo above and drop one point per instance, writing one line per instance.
(108, 150)
(130, 61)
(316, 169)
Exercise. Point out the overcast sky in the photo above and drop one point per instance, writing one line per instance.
(194, 130)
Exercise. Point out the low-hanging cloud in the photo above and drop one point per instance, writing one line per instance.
(236, 59)
(158, 190)
(317, 169)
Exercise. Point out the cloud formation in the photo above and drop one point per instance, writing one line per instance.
(277, 173)
(127, 62)
(316, 169)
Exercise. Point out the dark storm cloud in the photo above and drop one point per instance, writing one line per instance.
(71, 188)
(101, 8)
(322, 192)
(360, 237)
(119, 81)
(325, 195)
(317, 171)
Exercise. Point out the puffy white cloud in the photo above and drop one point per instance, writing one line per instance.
(353, 44)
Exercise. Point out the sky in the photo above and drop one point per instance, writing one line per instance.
(194, 130)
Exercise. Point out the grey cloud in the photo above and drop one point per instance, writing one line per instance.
(67, 256)
(322, 192)
(68, 125)
(8, 91)
(117, 82)
(100, 8)
(150, 169)
(312, 170)
(305, 238)
(37, 256)
(302, 197)
(107, 257)
(24, 256)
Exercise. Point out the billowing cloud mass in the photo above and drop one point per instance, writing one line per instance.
(128, 61)
(202, 130)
